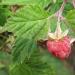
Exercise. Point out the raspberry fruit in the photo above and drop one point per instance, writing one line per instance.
(60, 48)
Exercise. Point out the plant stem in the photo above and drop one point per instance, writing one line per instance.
(58, 31)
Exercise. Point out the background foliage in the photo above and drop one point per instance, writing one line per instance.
(30, 21)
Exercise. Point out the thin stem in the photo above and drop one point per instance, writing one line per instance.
(62, 7)
(58, 31)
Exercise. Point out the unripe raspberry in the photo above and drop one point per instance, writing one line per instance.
(60, 48)
(58, 43)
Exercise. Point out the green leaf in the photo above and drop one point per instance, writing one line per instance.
(68, 7)
(4, 14)
(41, 63)
(55, 6)
(29, 24)
(27, 2)
(71, 20)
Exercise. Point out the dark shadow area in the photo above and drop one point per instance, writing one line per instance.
(71, 59)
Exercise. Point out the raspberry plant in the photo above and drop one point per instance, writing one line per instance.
(31, 21)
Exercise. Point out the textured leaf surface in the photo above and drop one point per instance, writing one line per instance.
(27, 2)
(71, 20)
(29, 25)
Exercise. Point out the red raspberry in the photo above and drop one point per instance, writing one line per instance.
(60, 48)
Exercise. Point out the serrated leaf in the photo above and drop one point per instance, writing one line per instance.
(27, 2)
(29, 25)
